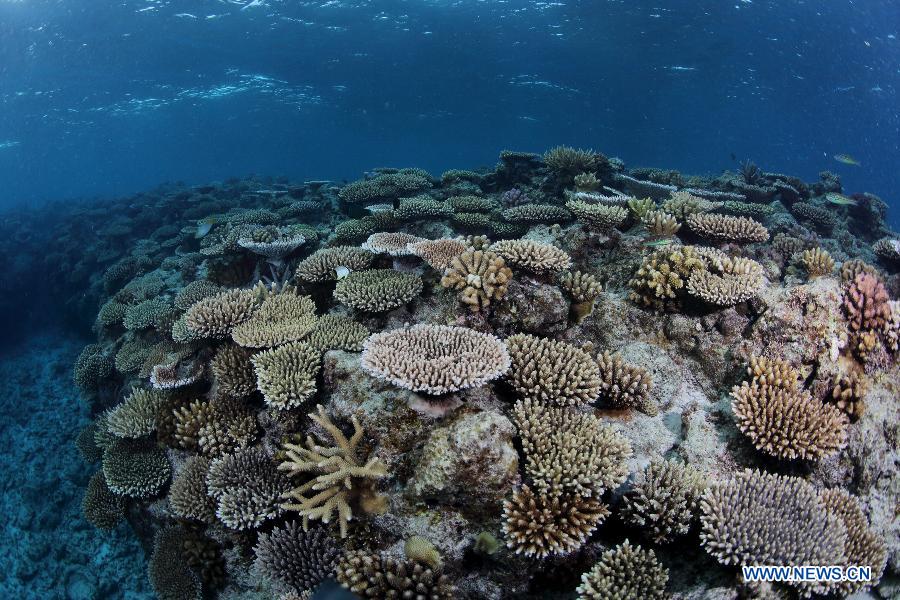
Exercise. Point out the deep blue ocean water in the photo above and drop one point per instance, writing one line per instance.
(101, 98)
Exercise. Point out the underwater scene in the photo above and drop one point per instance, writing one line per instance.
(450, 299)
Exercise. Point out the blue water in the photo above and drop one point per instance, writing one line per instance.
(108, 98)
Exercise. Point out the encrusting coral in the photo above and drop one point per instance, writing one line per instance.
(781, 418)
(549, 371)
(434, 359)
(627, 572)
(341, 480)
(481, 277)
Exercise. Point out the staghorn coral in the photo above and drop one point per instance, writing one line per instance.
(101, 507)
(392, 244)
(438, 253)
(135, 416)
(536, 213)
(601, 217)
(480, 276)
(281, 318)
(866, 303)
(341, 481)
(296, 558)
(435, 359)
(135, 468)
(215, 316)
(758, 518)
(817, 262)
(728, 281)
(377, 290)
(373, 576)
(583, 288)
(848, 393)
(534, 256)
(782, 419)
(189, 495)
(336, 332)
(538, 525)
(623, 385)
(549, 371)
(233, 372)
(569, 452)
(286, 375)
(247, 488)
(664, 499)
(323, 264)
(626, 572)
(660, 224)
(724, 228)
(170, 576)
(662, 275)
(862, 547)
(213, 427)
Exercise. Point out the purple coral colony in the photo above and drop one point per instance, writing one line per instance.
(560, 378)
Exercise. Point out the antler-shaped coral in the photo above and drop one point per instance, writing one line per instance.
(335, 468)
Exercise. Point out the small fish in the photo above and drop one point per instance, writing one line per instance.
(379, 208)
(847, 160)
(341, 272)
(840, 199)
(658, 243)
(204, 226)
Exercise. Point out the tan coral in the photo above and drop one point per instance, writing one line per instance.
(848, 393)
(215, 316)
(435, 359)
(724, 228)
(817, 262)
(341, 479)
(855, 266)
(286, 375)
(627, 572)
(233, 371)
(438, 253)
(323, 264)
(534, 256)
(569, 452)
(660, 223)
(281, 318)
(863, 546)
(662, 275)
(481, 277)
(392, 244)
(727, 282)
(624, 385)
(550, 371)
(583, 289)
(602, 217)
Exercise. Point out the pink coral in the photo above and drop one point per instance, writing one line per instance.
(866, 303)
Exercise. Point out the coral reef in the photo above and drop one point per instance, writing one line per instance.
(627, 572)
(550, 371)
(480, 276)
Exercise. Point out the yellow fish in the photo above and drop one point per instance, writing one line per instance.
(204, 225)
(840, 199)
(847, 160)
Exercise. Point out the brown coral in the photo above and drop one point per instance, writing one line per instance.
(373, 576)
(213, 427)
(247, 488)
(624, 385)
(281, 318)
(602, 217)
(662, 275)
(550, 371)
(660, 224)
(438, 253)
(848, 393)
(664, 499)
(727, 282)
(480, 276)
(863, 547)
(435, 359)
(286, 375)
(323, 264)
(534, 256)
(233, 371)
(215, 316)
(627, 572)
(583, 288)
(392, 244)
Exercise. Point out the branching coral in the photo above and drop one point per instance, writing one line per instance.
(216, 316)
(624, 385)
(194, 292)
(583, 289)
(377, 290)
(888, 250)
(817, 216)
(639, 207)
(101, 507)
(438, 253)
(169, 573)
(602, 217)
(759, 518)
(422, 208)
(817, 262)
(373, 576)
(91, 366)
(568, 452)
(724, 228)
(341, 479)
(135, 468)
(682, 204)
(189, 496)
(386, 186)
(274, 247)
(286, 375)
(566, 162)
(550, 371)
(862, 547)
(626, 572)
(233, 371)
(534, 256)
(855, 266)
(323, 264)
(136, 416)
(866, 303)
(392, 244)
(153, 313)
(781, 418)
(336, 332)
(435, 359)
(848, 393)
(536, 213)
(213, 427)
(480, 276)
(661, 276)
(540, 525)
(663, 500)
(296, 558)
(247, 488)
(660, 224)
(727, 282)
(281, 318)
